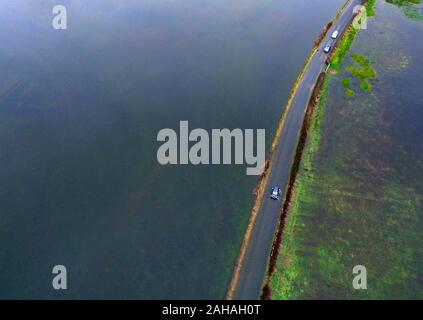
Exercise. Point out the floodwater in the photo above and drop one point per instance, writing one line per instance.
(361, 201)
(80, 109)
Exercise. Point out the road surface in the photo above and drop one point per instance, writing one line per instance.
(254, 265)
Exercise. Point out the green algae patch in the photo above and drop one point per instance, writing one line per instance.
(403, 3)
(350, 92)
(367, 86)
(362, 71)
(413, 13)
(346, 82)
(410, 8)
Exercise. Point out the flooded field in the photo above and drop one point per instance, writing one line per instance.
(80, 110)
(359, 196)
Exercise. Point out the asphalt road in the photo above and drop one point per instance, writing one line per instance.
(254, 266)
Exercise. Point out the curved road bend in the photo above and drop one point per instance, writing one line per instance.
(255, 262)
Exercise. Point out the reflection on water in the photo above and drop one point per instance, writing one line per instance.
(79, 114)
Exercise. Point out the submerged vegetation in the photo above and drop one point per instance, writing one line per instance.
(362, 71)
(346, 82)
(349, 91)
(409, 7)
(401, 3)
(355, 200)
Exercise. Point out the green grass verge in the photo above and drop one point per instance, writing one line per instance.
(370, 8)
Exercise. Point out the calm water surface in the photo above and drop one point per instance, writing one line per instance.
(79, 113)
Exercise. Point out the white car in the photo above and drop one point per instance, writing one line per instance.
(327, 48)
(276, 193)
(335, 34)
